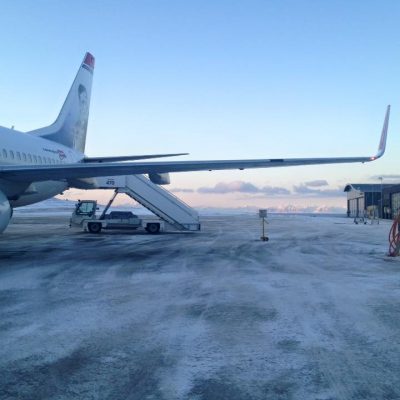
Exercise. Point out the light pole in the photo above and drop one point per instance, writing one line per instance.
(263, 215)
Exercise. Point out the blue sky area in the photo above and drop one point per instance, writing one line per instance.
(220, 80)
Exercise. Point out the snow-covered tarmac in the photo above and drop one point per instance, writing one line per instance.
(312, 314)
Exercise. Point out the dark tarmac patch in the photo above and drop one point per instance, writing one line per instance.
(31, 380)
(281, 388)
(239, 313)
(70, 364)
(218, 389)
(8, 297)
(196, 310)
(141, 380)
(71, 376)
(8, 255)
(225, 322)
(288, 344)
(388, 314)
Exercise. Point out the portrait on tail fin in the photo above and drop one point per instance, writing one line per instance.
(80, 128)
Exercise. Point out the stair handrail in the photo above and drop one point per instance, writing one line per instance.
(167, 192)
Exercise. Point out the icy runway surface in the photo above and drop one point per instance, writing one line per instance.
(312, 314)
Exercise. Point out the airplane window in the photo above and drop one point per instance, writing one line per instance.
(12, 155)
(18, 155)
(4, 153)
(24, 156)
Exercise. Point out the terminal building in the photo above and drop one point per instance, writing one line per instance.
(381, 200)
(391, 201)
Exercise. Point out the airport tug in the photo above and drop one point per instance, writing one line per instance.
(84, 215)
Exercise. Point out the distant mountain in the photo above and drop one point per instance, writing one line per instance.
(55, 204)
(317, 210)
(51, 203)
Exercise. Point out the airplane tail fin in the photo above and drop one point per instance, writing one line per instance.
(70, 126)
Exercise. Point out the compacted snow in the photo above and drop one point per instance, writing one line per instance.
(312, 314)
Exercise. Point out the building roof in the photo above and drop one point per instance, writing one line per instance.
(366, 187)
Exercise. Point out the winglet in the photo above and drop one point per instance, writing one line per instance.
(382, 143)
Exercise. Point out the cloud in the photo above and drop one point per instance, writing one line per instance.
(223, 187)
(244, 187)
(181, 190)
(316, 183)
(275, 190)
(287, 208)
(305, 190)
(393, 177)
(309, 209)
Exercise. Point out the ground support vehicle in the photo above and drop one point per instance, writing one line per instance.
(84, 216)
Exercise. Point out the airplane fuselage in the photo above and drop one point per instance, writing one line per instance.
(18, 148)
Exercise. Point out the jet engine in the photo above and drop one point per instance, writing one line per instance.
(5, 212)
(160, 179)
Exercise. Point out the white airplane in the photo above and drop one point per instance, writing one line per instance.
(40, 164)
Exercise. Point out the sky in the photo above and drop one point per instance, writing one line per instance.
(219, 80)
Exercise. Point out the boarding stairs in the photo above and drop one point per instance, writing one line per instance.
(155, 198)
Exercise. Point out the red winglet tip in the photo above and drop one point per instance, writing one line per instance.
(89, 60)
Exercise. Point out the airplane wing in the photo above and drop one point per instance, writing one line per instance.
(29, 173)
(130, 158)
